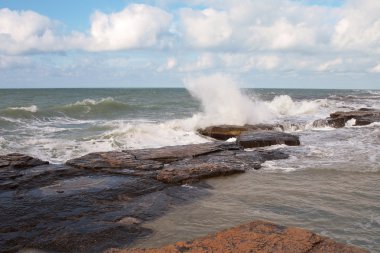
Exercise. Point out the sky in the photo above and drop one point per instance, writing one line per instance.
(333, 44)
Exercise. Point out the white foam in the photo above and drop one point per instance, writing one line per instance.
(223, 103)
(284, 105)
(350, 123)
(88, 101)
(32, 108)
(273, 166)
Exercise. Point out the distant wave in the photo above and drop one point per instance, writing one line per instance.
(94, 107)
(18, 112)
(32, 108)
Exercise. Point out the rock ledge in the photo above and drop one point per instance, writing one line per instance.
(256, 236)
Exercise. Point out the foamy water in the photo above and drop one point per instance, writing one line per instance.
(57, 125)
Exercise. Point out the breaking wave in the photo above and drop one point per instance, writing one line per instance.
(32, 108)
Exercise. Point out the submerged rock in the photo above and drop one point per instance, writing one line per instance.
(250, 139)
(257, 236)
(225, 132)
(363, 116)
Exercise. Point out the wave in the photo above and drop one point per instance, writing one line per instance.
(19, 112)
(284, 105)
(32, 108)
(98, 108)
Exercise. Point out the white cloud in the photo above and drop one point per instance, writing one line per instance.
(329, 65)
(375, 69)
(206, 28)
(7, 61)
(203, 62)
(137, 26)
(282, 35)
(238, 36)
(22, 31)
(359, 26)
(170, 64)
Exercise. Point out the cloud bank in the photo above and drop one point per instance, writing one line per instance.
(242, 36)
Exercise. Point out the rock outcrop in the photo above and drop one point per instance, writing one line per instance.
(257, 236)
(225, 132)
(177, 164)
(101, 200)
(250, 139)
(19, 161)
(363, 116)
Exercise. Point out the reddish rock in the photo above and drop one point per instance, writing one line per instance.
(266, 138)
(257, 236)
(224, 132)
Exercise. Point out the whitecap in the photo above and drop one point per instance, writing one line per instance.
(32, 108)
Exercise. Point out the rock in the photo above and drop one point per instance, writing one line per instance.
(266, 138)
(129, 221)
(113, 160)
(145, 159)
(257, 236)
(191, 170)
(19, 161)
(175, 153)
(101, 200)
(224, 132)
(363, 116)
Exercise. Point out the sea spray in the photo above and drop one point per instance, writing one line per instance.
(223, 102)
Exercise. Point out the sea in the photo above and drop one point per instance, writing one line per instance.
(330, 184)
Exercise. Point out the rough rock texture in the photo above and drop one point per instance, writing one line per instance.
(224, 132)
(257, 236)
(19, 161)
(266, 138)
(101, 200)
(363, 116)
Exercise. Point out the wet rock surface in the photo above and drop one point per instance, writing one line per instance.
(251, 139)
(19, 161)
(225, 132)
(363, 116)
(257, 236)
(101, 200)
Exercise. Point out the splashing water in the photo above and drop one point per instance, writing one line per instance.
(223, 103)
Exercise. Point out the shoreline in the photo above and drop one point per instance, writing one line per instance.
(102, 200)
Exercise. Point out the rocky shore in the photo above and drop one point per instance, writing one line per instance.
(101, 200)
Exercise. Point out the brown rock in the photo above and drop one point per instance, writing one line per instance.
(113, 160)
(363, 116)
(266, 138)
(174, 153)
(20, 161)
(195, 169)
(257, 236)
(224, 132)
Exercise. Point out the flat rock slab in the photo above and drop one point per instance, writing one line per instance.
(257, 236)
(250, 139)
(225, 132)
(363, 116)
(174, 153)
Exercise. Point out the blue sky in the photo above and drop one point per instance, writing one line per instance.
(157, 43)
